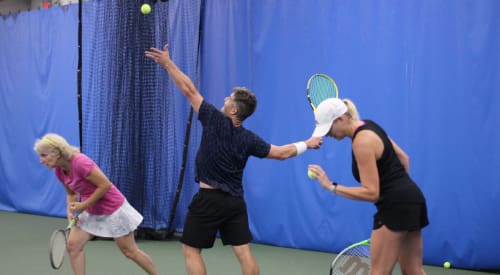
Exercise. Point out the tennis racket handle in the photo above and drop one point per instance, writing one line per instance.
(72, 222)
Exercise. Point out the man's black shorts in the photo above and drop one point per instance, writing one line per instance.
(212, 210)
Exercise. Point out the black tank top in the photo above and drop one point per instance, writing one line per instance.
(396, 186)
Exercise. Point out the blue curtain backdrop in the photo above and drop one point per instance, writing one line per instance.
(38, 62)
(427, 71)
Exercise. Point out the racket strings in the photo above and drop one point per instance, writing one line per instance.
(321, 88)
(355, 261)
(57, 248)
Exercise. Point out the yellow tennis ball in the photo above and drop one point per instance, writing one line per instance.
(447, 265)
(145, 8)
(311, 174)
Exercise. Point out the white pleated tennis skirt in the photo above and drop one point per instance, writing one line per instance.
(120, 223)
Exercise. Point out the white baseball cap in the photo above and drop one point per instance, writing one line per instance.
(327, 112)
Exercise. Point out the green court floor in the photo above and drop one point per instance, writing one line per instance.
(24, 241)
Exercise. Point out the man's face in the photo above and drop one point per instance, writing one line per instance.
(228, 105)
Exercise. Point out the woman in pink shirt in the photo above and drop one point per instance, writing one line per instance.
(104, 211)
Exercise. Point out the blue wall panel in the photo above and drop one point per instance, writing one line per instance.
(427, 71)
(38, 60)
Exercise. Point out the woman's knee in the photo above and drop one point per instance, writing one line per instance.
(74, 247)
(76, 241)
(129, 252)
(127, 246)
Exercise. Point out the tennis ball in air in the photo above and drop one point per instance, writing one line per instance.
(311, 174)
(447, 265)
(145, 8)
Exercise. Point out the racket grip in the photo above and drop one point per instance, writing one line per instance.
(72, 222)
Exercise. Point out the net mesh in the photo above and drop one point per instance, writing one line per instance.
(133, 125)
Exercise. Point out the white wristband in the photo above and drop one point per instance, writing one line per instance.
(301, 147)
(333, 187)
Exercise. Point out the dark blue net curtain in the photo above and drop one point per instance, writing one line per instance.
(427, 71)
(133, 119)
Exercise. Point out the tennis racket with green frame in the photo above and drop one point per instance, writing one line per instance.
(319, 88)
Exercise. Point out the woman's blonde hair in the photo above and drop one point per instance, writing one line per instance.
(352, 111)
(53, 143)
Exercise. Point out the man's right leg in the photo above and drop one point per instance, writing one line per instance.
(194, 262)
(247, 260)
(200, 229)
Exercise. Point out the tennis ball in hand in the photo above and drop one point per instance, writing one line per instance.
(447, 265)
(311, 174)
(145, 8)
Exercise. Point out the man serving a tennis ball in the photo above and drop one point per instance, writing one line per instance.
(222, 155)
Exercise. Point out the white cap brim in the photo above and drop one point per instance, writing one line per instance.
(321, 130)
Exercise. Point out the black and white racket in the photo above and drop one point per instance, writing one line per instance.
(58, 244)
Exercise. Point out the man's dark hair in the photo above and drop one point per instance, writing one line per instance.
(245, 101)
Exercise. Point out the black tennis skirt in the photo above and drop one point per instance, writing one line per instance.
(402, 217)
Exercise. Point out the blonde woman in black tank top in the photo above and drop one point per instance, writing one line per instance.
(382, 168)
